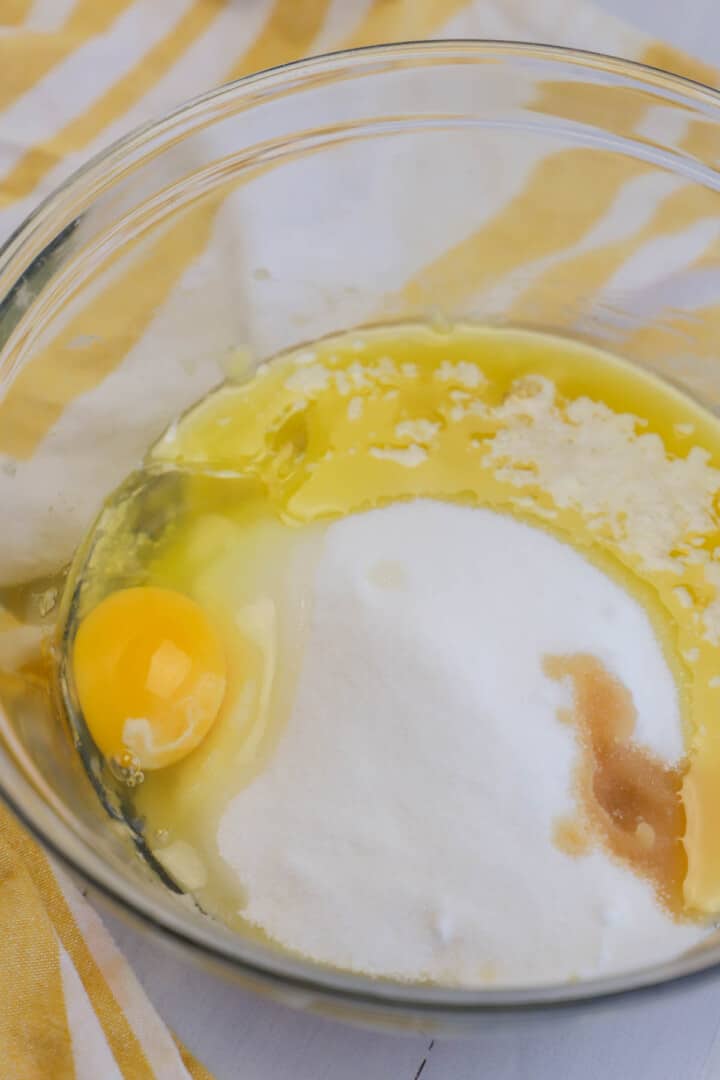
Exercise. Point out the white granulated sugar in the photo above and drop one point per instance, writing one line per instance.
(404, 825)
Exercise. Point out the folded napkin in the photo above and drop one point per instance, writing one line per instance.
(70, 1005)
(75, 75)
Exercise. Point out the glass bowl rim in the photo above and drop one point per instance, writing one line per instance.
(259, 962)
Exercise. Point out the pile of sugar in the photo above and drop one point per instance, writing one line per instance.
(404, 826)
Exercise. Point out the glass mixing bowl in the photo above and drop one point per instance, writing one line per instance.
(482, 181)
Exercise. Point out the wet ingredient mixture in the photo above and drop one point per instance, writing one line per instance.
(443, 704)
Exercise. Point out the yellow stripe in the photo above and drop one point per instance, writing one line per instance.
(118, 317)
(35, 1040)
(193, 1066)
(36, 162)
(33, 54)
(684, 345)
(38, 396)
(608, 107)
(702, 140)
(36, 399)
(709, 259)
(670, 59)
(14, 12)
(683, 349)
(663, 341)
(563, 287)
(397, 20)
(112, 323)
(287, 35)
(120, 1036)
(576, 280)
(552, 212)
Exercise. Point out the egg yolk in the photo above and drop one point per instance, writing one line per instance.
(150, 674)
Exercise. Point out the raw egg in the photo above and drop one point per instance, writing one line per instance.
(150, 673)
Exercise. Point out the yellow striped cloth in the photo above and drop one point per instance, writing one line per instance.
(74, 75)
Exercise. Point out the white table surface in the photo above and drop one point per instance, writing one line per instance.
(238, 1036)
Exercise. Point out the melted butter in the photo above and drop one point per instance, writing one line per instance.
(628, 798)
(356, 422)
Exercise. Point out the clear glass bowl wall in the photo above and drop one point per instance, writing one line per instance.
(450, 181)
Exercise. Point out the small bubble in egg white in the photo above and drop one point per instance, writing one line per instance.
(126, 768)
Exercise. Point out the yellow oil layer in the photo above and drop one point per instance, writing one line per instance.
(360, 420)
